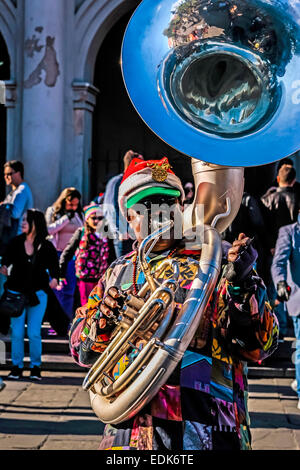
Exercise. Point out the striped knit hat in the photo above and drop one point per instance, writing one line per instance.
(92, 209)
(147, 177)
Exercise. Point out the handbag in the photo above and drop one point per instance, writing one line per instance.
(12, 303)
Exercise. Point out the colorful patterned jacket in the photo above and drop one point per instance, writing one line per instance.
(203, 405)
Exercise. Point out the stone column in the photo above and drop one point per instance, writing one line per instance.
(84, 101)
(43, 96)
(10, 103)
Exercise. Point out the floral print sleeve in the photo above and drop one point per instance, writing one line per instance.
(247, 316)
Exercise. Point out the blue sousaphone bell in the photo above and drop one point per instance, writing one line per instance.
(217, 80)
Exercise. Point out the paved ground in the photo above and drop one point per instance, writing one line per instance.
(56, 414)
(50, 415)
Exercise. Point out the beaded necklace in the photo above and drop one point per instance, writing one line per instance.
(135, 291)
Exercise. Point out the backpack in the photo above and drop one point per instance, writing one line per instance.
(8, 226)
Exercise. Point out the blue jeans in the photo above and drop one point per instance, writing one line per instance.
(3, 280)
(280, 310)
(296, 355)
(65, 296)
(34, 317)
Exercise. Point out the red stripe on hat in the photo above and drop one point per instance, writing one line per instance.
(190, 252)
(137, 165)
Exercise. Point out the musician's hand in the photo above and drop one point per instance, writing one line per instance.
(4, 270)
(61, 284)
(110, 306)
(53, 283)
(283, 291)
(241, 258)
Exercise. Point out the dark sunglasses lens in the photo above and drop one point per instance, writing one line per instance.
(169, 201)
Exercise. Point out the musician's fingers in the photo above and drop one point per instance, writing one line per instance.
(242, 242)
(113, 292)
(234, 250)
(110, 302)
(106, 310)
(102, 323)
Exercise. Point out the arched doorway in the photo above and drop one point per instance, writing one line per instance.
(4, 75)
(117, 126)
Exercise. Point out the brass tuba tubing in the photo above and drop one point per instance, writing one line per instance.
(120, 343)
(171, 349)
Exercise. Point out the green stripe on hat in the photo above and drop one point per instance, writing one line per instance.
(149, 192)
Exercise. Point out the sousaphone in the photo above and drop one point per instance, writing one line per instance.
(218, 81)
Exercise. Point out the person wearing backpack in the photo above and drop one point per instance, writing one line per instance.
(32, 261)
(93, 252)
(63, 218)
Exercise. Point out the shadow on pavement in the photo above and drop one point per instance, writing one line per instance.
(267, 420)
(81, 427)
(48, 380)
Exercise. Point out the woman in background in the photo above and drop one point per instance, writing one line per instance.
(93, 252)
(32, 259)
(63, 218)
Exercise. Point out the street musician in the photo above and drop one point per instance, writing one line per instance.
(203, 405)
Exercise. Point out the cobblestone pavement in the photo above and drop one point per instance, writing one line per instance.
(55, 414)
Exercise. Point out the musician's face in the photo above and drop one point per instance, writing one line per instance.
(149, 215)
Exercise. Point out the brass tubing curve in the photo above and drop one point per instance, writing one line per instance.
(117, 344)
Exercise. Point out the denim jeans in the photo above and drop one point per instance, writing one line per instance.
(3, 280)
(34, 316)
(296, 355)
(280, 310)
(65, 296)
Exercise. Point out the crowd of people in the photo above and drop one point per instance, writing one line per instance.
(85, 256)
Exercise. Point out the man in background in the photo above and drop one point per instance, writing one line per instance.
(16, 203)
(281, 208)
(117, 223)
(286, 277)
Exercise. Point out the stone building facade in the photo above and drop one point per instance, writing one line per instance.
(67, 115)
(52, 47)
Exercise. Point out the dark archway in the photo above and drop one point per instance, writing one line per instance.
(117, 126)
(4, 75)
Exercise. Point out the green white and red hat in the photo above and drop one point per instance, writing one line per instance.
(92, 209)
(145, 178)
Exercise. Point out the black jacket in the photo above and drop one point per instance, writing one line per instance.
(30, 273)
(281, 208)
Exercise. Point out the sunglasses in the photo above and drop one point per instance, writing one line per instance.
(97, 218)
(9, 174)
(158, 200)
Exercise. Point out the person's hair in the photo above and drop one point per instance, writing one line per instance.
(37, 218)
(88, 228)
(287, 174)
(16, 166)
(87, 231)
(284, 161)
(60, 203)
